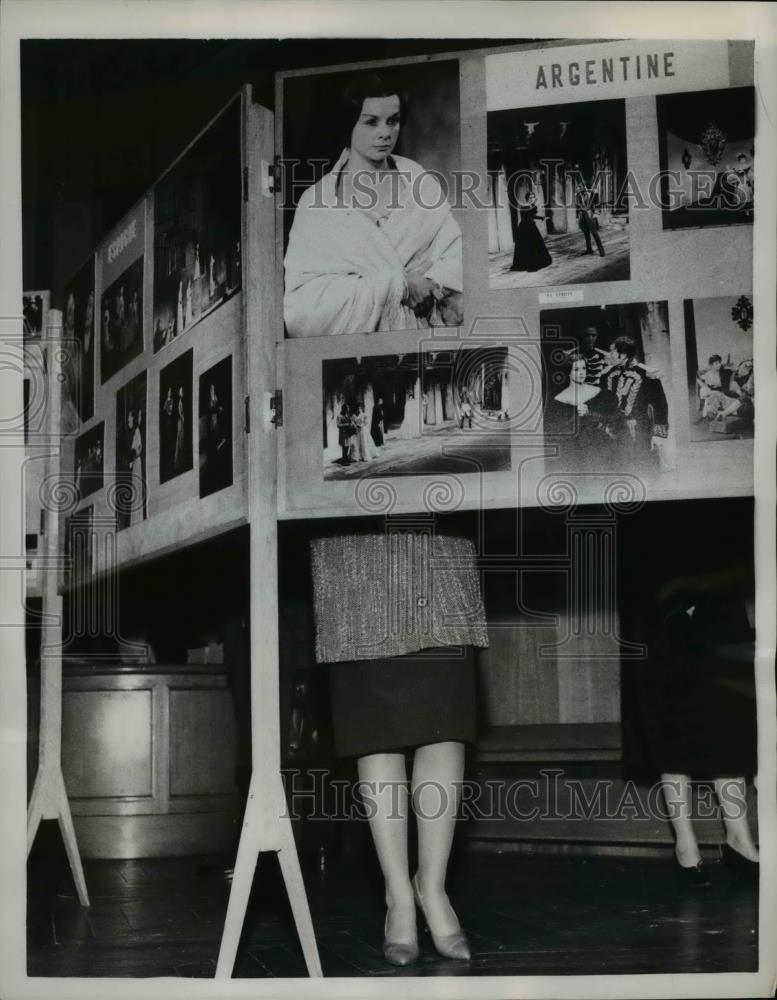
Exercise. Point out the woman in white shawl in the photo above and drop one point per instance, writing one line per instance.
(374, 245)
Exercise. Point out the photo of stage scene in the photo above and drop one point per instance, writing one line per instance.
(132, 491)
(411, 414)
(175, 418)
(719, 354)
(605, 388)
(384, 142)
(88, 464)
(78, 546)
(197, 255)
(33, 311)
(78, 349)
(121, 310)
(559, 212)
(216, 428)
(706, 140)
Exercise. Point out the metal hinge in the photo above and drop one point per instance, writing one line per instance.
(245, 183)
(276, 408)
(247, 402)
(271, 177)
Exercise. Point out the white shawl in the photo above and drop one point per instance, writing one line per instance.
(345, 274)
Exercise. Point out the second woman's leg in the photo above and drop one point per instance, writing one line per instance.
(733, 806)
(677, 794)
(438, 770)
(384, 790)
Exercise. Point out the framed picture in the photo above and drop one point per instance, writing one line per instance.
(719, 355)
(558, 210)
(416, 414)
(216, 428)
(175, 418)
(79, 548)
(78, 347)
(131, 480)
(606, 388)
(35, 306)
(197, 230)
(121, 336)
(88, 461)
(706, 143)
(403, 270)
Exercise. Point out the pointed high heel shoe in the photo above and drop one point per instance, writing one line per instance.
(693, 876)
(453, 945)
(398, 952)
(743, 868)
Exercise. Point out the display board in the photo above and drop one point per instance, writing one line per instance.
(35, 307)
(590, 331)
(154, 413)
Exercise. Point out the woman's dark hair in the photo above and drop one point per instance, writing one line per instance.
(358, 89)
(625, 345)
(714, 358)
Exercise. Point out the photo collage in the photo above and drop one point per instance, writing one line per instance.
(568, 186)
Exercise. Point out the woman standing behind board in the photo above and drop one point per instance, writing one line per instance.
(397, 617)
(698, 711)
(374, 245)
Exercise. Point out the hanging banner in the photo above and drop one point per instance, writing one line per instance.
(603, 71)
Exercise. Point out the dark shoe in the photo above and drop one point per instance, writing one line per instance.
(453, 945)
(743, 868)
(397, 952)
(693, 877)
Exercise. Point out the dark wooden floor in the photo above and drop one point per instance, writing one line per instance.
(525, 915)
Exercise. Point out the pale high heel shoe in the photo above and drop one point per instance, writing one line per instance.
(398, 952)
(453, 945)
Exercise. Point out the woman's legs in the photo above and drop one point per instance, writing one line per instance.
(438, 769)
(677, 795)
(733, 806)
(384, 789)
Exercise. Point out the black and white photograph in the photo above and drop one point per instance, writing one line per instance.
(607, 387)
(121, 328)
(78, 348)
(707, 155)
(721, 379)
(373, 243)
(404, 621)
(34, 309)
(79, 546)
(559, 212)
(197, 255)
(416, 414)
(215, 396)
(175, 418)
(131, 480)
(88, 461)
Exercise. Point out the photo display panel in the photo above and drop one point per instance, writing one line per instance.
(604, 197)
(153, 364)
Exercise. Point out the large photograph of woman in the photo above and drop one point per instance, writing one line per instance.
(373, 244)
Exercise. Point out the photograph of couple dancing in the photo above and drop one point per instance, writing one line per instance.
(556, 214)
(443, 411)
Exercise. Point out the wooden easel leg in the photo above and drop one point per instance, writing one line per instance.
(49, 801)
(295, 890)
(242, 880)
(71, 844)
(34, 811)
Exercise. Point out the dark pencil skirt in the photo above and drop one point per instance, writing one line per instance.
(401, 702)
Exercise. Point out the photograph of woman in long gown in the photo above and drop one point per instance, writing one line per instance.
(530, 253)
(132, 491)
(175, 418)
(374, 244)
